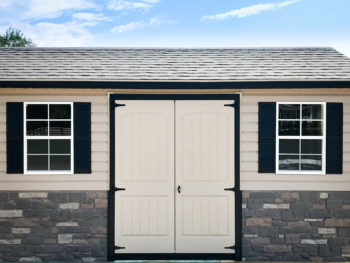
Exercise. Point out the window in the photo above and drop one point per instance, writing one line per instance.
(48, 138)
(300, 144)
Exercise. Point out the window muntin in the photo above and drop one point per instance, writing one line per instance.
(48, 137)
(300, 133)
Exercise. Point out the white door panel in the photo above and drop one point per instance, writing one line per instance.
(204, 168)
(161, 145)
(144, 163)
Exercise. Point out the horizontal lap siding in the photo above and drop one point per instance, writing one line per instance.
(97, 180)
(252, 180)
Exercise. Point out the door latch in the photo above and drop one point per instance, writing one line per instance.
(179, 189)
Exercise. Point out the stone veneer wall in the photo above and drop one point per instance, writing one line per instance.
(296, 226)
(53, 226)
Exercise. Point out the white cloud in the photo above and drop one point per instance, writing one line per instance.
(138, 25)
(130, 4)
(69, 34)
(127, 27)
(90, 17)
(248, 11)
(6, 3)
(39, 9)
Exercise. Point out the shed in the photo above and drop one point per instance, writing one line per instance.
(120, 153)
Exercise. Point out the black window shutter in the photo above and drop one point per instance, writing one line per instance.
(82, 137)
(334, 138)
(267, 137)
(14, 137)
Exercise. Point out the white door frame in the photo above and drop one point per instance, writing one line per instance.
(112, 247)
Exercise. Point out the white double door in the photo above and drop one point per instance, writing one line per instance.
(174, 159)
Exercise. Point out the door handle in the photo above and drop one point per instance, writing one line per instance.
(179, 189)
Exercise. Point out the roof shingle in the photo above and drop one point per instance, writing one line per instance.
(137, 64)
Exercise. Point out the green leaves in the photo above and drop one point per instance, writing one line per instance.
(14, 38)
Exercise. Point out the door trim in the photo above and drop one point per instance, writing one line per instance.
(111, 255)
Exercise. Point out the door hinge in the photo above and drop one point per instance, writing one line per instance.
(230, 247)
(230, 189)
(230, 105)
(118, 105)
(118, 247)
(119, 189)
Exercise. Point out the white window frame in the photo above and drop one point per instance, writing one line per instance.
(323, 137)
(48, 137)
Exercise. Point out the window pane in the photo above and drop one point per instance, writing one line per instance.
(312, 111)
(37, 146)
(37, 111)
(60, 128)
(312, 128)
(60, 146)
(60, 111)
(311, 146)
(37, 163)
(311, 162)
(289, 146)
(60, 162)
(288, 162)
(37, 128)
(289, 111)
(289, 128)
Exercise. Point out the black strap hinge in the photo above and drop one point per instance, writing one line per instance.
(118, 247)
(119, 189)
(230, 105)
(230, 247)
(118, 105)
(230, 189)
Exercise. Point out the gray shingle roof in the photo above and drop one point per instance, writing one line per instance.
(122, 64)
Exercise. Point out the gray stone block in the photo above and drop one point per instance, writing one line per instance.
(3, 197)
(58, 197)
(299, 227)
(18, 230)
(276, 206)
(340, 195)
(309, 196)
(258, 221)
(307, 249)
(69, 206)
(248, 212)
(273, 213)
(334, 204)
(29, 259)
(277, 248)
(266, 231)
(261, 195)
(252, 251)
(79, 197)
(327, 231)
(329, 251)
(15, 241)
(339, 241)
(30, 240)
(69, 223)
(10, 213)
(317, 213)
(33, 195)
(292, 239)
(324, 195)
(59, 215)
(260, 241)
(255, 203)
(64, 238)
(29, 213)
(313, 241)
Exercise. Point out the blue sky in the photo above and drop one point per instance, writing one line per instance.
(181, 23)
